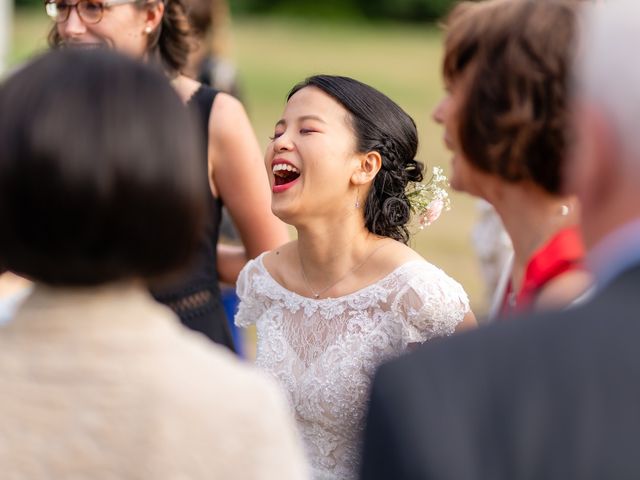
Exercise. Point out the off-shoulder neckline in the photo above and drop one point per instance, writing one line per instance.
(396, 271)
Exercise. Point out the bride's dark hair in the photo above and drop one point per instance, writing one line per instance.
(380, 125)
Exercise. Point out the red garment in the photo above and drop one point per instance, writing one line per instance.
(563, 253)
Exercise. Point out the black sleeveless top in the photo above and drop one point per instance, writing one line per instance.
(195, 296)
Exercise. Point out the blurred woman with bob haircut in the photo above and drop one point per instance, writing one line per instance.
(99, 192)
(506, 67)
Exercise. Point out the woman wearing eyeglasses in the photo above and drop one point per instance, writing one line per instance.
(158, 31)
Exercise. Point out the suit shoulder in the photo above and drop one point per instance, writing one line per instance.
(485, 349)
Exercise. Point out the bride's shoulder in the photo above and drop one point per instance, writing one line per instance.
(284, 253)
(397, 253)
(261, 272)
(414, 268)
(399, 258)
(279, 261)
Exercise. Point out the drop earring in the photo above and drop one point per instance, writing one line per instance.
(564, 210)
(357, 204)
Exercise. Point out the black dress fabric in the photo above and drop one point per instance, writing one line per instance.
(195, 295)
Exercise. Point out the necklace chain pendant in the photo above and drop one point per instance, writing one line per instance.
(316, 295)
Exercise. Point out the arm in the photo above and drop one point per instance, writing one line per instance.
(563, 290)
(434, 305)
(468, 322)
(237, 174)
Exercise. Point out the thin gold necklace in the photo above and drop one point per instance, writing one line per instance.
(317, 294)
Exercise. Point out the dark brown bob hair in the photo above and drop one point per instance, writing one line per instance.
(512, 58)
(99, 171)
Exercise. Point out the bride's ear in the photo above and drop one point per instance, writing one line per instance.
(367, 169)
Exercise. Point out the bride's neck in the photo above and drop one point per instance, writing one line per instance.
(327, 249)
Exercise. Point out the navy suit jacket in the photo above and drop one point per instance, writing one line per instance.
(550, 397)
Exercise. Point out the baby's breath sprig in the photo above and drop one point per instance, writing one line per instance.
(428, 200)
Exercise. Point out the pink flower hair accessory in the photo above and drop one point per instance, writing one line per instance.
(429, 200)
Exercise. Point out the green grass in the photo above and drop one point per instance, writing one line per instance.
(402, 61)
(29, 34)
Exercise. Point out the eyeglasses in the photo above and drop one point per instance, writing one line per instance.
(89, 11)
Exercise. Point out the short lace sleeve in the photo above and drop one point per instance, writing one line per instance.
(250, 308)
(432, 303)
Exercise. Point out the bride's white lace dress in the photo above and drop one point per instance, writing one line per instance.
(324, 352)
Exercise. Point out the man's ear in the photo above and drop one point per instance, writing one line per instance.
(369, 165)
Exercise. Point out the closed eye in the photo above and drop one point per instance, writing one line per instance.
(305, 131)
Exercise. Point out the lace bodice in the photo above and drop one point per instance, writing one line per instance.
(325, 352)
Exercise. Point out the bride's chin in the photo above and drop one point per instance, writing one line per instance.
(283, 211)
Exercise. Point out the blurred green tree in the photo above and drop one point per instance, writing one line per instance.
(27, 3)
(411, 10)
(408, 10)
(403, 10)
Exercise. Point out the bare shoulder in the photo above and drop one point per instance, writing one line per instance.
(421, 271)
(564, 289)
(234, 151)
(224, 105)
(393, 254)
(280, 261)
(399, 253)
(231, 132)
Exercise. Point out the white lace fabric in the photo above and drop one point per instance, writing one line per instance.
(325, 352)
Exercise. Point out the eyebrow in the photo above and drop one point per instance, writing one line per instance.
(282, 121)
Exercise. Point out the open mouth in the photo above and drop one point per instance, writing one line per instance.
(284, 173)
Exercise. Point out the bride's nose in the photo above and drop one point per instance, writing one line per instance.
(282, 143)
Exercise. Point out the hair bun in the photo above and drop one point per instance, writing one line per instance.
(396, 211)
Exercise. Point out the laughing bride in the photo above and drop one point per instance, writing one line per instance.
(349, 293)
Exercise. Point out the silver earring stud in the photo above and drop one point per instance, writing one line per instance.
(148, 29)
(564, 210)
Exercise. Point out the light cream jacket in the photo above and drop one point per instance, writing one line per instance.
(104, 383)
